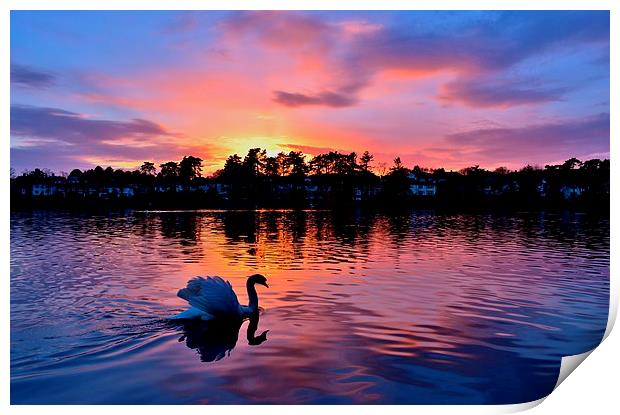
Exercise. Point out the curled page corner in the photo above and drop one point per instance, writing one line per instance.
(520, 407)
(613, 310)
(570, 363)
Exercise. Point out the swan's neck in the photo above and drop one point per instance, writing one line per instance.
(252, 296)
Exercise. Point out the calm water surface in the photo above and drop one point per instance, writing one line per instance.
(363, 308)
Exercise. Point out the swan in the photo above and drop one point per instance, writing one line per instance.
(213, 298)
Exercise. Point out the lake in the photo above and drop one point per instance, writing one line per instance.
(363, 308)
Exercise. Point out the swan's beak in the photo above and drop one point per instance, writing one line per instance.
(266, 285)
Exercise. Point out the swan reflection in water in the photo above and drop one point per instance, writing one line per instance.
(215, 339)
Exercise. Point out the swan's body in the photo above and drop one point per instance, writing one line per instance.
(213, 298)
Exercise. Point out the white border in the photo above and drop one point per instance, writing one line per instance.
(601, 378)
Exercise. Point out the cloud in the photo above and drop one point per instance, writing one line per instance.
(492, 45)
(279, 29)
(26, 76)
(483, 50)
(312, 42)
(326, 98)
(485, 92)
(356, 27)
(346, 95)
(54, 123)
(40, 134)
(567, 138)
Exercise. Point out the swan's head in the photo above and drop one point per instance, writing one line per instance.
(257, 279)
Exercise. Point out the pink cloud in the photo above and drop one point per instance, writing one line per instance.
(365, 50)
(278, 29)
(357, 27)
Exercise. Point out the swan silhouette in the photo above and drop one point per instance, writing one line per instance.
(214, 340)
(213, 298)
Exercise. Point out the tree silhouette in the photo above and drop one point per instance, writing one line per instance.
(396, 181)
(365, 161)
(571, 164)
(148, 168)
(76, 173)
(335, 178)
(398, 166)
(254, 161)
(190, 168)
(233, 168)
(592, 166)
(272, 167)
(169, 170)
(334, 163)
(296, 165)
(282, 162)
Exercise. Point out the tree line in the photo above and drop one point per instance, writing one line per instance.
(263, 179)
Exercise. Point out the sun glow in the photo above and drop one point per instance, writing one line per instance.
(272, 144)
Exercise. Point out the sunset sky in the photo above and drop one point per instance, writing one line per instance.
(449, 89)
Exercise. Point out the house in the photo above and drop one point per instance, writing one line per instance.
(41, 189)
(423, 189)
(571, 191)
(220, 188)
(364, 192)
(495, 187)
(311, 189)
(283, 188)
(357, 194)
(422, 185)
(109, 190)
(542, 188)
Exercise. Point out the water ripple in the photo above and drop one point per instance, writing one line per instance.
(363, 308)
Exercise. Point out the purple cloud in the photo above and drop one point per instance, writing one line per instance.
(486, 92)
(54, 123)
(326, 98)
(25, 76)
(68, 138)
(566, 139)
(483, 46)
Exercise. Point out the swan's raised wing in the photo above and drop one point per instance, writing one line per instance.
(212, 295)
